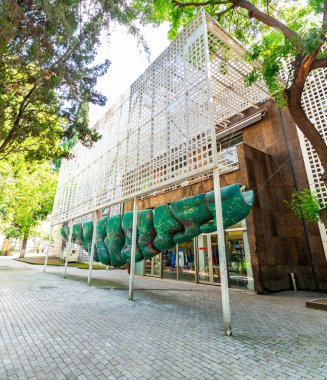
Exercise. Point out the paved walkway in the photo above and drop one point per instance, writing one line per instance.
(53, 328)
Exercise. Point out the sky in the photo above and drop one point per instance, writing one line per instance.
(128, 62)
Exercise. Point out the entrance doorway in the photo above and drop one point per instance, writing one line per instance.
(238, 258)
(152, 266)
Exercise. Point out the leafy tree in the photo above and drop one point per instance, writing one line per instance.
(26, 196)
(47, 75)
(276, 31)
(305, 205)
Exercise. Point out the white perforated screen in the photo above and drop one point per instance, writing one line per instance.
(161, 132)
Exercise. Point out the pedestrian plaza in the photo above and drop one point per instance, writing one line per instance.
(55, 328)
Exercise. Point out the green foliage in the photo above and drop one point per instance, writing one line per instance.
(267, 44)
(47, 72)
(305, 205)
(26, 195)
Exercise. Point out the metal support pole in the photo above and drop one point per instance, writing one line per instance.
(48, 251)
(222, 255)
(94, 234)
(68, 247)
(132, 265)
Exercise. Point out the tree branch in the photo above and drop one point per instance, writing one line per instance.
(24, 103)
(197, 4)
(319, 64)
(225, 11)
(254, 12)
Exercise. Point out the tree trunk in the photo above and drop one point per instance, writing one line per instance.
(299, 116)
(308, 129)
(5, 246)
(24, 244)
(323, 216)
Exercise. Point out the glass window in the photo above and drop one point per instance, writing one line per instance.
(203, 258)
(186, 263)
(169, 264)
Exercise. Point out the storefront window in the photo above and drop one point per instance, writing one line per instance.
(186, 262)
(215, 259)
(198, 259)
(153, 266)
(203, 258)
(169, 264)
(238, 257)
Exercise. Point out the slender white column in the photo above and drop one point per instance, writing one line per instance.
(48, 251)
(132, 265)
(94, 234)
(222, 256)
(68, 247)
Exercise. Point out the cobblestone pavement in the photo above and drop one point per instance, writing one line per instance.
(55, 328)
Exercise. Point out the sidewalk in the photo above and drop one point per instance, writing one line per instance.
(55, 328)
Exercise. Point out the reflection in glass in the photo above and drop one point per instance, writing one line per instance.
(153, 266)
(203, 259)
(186, 263)
(169, 264)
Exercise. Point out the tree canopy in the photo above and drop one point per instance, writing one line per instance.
(47, 72)
(26, 195)
(279, 33)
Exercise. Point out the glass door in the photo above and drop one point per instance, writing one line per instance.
(204, 260)
(215, 258)
(185, 261)
(169, 265)
(153, 266)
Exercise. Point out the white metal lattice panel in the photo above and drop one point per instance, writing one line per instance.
(161, 131)
(314, 100)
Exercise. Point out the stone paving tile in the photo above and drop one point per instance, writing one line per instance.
(53, 328)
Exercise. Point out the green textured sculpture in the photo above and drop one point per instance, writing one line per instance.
(115, 240)
(126, 251)
(191, 213)
(78, 233)
(87, 244)
(166, 227)
(66, 229)
(88, 231)
(96, 255)
(63, 233)
(146, 234)
(235, 207)
(160, 229)
(100, 245)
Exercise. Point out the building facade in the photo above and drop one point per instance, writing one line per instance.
(159, 144)
(271, 243)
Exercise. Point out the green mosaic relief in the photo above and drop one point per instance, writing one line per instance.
(235, 207)
(63, 233)
(126, 251)
(166, 227)
(160, 229)
(96, 255)
(115, 240)
(66, 229)
(78, 233)
(146, 234)
(102, 249)
(191, 213)
(101, 228)
(88, 231)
